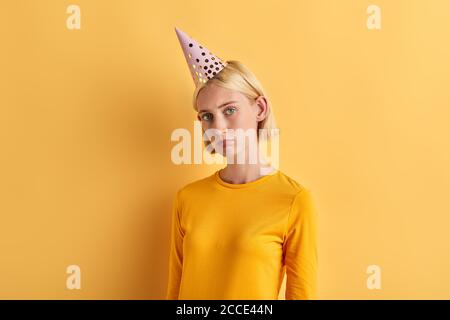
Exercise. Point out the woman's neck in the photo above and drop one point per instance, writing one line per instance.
(244, 173)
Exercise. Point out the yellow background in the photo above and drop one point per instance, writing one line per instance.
(86, 117)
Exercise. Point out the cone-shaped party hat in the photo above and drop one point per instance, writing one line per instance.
(201, 62)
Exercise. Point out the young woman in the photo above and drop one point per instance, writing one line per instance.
(236, 233)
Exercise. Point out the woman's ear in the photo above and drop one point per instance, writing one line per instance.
(262, 108)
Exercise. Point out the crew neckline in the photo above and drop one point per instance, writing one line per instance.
(244, 185)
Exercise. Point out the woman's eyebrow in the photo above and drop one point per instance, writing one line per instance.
(221, 106)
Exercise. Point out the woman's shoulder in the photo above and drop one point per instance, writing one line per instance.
(282, 184)
(301, 196)
(194, 187)
(292, 185)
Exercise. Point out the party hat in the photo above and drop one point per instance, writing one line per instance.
(203, 64)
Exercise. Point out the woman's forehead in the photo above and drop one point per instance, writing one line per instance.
(212, 97)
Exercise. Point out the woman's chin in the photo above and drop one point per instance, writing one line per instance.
(227, 151)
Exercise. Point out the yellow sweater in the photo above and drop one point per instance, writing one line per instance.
(236, 241)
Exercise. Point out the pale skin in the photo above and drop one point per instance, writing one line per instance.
(223, 109)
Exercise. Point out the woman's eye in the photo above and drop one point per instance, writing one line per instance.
(231, 109)
(206, 116)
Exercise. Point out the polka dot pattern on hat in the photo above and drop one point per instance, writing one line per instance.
(202, 63)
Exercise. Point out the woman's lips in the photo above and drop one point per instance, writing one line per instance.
(226, 142)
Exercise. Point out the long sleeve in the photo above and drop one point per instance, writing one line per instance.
(300, 249)
(175, 254)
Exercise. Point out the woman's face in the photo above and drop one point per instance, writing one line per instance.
(223, 109)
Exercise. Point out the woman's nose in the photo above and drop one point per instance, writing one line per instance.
(220, 127)
(221, 132)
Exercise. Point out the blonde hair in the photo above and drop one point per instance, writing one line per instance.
(236, 76)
